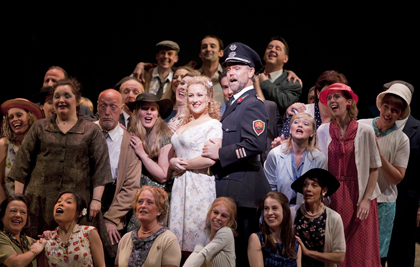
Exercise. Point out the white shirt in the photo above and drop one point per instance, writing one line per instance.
(114, 147)
(274, 75)
(155, 82)
(237, 95)
(396, 149)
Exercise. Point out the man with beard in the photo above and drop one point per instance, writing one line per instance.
(238, 172)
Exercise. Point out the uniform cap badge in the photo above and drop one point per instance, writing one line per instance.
(233, 47)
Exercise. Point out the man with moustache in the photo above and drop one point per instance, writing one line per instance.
(125, 171)
(238, 172)
(274, 80)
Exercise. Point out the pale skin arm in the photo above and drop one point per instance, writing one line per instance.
(95, 206)
(255, 256)
(330, 257)
(24, 259)
(3, 155)
(393, 174)
(160, 170)
(96, 249)
(201, 162)
(19, 187)
(363, 205)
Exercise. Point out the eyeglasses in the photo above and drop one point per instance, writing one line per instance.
(336, 96)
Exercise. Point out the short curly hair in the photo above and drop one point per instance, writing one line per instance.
(161, 200)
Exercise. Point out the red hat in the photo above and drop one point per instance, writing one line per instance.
(23, 104)
(335, 87)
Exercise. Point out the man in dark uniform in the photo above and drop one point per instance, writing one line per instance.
(238, 172)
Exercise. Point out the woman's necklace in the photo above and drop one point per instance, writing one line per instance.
(147, 232)
(64, 122)
(315, 214)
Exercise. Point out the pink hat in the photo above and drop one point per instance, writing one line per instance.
(23, 104)
(335, 87)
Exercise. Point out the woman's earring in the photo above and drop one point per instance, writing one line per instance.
(348, 106)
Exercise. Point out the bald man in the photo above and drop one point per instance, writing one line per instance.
(125, 170)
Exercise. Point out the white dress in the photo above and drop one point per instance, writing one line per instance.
(194, 191)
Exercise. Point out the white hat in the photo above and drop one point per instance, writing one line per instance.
(400, 90)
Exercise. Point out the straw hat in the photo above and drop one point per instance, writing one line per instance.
(23, 104)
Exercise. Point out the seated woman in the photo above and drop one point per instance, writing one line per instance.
(17, 249)
(275, 244)
(217, 245)
(151, 244)
(19, 116)
(72, 244)
(285, 163)
(319, 229)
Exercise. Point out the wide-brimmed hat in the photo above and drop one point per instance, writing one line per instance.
(165, 105)
(340, 87)
(400, 90)
(23, 104)
(324, 177)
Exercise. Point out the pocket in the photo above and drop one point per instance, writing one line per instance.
(229, 127)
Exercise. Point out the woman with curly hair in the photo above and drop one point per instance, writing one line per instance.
(194, 189)
(19, 116)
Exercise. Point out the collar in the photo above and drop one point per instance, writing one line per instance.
(275, 74)
(114, 133)
(401, 123)
(243, 91)
(155, 75)
(53, 127)
(379, 133)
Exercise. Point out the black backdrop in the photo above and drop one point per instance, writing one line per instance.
(370, 45)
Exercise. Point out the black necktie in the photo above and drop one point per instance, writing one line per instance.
(159, 93)
(230, 101)
(106, 134)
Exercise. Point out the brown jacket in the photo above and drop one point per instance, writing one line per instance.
(148, 78)
(128, 182)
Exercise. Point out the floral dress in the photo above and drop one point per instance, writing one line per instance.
(312, 234)
(194, 191)
(74, 252)
(9, 184)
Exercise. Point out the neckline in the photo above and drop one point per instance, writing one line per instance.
(176, 132)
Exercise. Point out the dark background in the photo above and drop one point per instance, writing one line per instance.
(100, 45)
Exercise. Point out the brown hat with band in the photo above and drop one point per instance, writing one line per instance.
(23, 104)
(165, 105)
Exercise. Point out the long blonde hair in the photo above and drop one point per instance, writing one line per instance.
(213, 106)
(311, 141)
(153, 140)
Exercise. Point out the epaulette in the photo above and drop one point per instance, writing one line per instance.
(242, 98)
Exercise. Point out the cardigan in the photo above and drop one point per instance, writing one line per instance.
(366, 153)
(164, 251)
(220, 251)
(335, 240)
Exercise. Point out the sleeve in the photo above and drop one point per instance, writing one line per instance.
(270, 165)
(6, 249)
(375, 159)
(286, 128)
(215, 131)
(403, 152)
(26, 156)
(201, 254)
(321, 161)
(172, 253)
(253, 124)
(338, 239)
(99, 159)
(284, 94)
